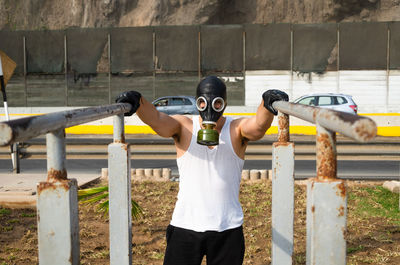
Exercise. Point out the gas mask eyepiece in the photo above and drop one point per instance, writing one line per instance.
(211, 95)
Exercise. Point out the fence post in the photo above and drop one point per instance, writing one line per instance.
(119, 179)
(326, 206)
(282, 194)
(57, 208)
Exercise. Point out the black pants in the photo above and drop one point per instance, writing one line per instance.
(187, 247)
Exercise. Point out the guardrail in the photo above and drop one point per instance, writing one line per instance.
(326, 195)
(57, 205)
(57, 200)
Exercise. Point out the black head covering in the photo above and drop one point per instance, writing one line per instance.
(210, 88)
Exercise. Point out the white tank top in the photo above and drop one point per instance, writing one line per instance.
(209, 182)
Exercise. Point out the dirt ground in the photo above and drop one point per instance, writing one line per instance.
(371, 238)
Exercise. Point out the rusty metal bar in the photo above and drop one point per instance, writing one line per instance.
(26, 128)
(119, 130)
(326, 154)
(283, 127)
(361, 129)
(56, 154)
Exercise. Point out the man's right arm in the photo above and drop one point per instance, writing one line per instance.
(163, 124)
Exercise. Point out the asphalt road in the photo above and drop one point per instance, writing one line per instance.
(347, 169)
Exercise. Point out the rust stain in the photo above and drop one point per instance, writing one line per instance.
(122, 141)
(54, 175)
(283, 123)
(326, 157)
(344, 232)
(276, 144)
(341, 210)
(313, 208)
(43, 186)
(341, 190)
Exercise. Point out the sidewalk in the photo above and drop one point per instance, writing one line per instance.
(19, 190)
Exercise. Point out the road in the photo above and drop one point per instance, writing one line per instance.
(347, 169)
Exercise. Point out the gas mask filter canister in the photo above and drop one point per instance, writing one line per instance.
(211, 103)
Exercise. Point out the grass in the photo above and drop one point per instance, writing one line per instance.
(376, 202)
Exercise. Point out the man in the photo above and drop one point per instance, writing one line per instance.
(207, 219)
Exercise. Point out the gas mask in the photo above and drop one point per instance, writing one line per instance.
(211, 103)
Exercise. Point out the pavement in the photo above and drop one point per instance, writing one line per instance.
(19, 190)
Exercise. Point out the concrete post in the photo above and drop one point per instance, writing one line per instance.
(119, 179)
(57, 208)
(282, 195)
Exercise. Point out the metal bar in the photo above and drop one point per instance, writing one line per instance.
(119, 168)
(387, 67)
(25, 71)
(338, 59)
(199, 54)
(56, 154)
(358, 128)
(26, 128)
(66, 69)
(326, 154)
(291, 61)
(283, 127)
(119, 129)
(109, 67)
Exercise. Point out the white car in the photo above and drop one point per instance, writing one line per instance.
(339, 102)
(176, 105)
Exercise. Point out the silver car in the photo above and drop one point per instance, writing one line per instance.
(339, 102)
(176, 105)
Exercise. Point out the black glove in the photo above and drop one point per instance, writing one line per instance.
(131, 97)
(270, 96)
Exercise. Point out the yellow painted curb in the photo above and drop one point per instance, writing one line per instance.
(144, 129)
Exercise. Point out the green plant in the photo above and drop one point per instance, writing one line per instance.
(378, 202)
(100, 195)
(4, 211)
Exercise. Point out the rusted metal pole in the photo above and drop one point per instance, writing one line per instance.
(282, 194)
(119, 180)
(56, 155)
(356, 127)
(119, 129)
(283, 127)
(57, 208)
(326, 206)
(19, 130)
(326, 154)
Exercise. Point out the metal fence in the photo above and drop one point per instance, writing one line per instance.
(57, 206)
(326, 195)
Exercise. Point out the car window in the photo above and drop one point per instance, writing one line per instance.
(187, 102)
(341, 100)
(308, 101)
(325, 101)
(177, 102)
(161, 102)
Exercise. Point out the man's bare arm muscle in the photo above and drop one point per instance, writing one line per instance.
(163, 124)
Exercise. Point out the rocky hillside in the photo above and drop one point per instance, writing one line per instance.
(61, 14)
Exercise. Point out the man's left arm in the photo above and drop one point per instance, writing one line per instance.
(254, 128)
